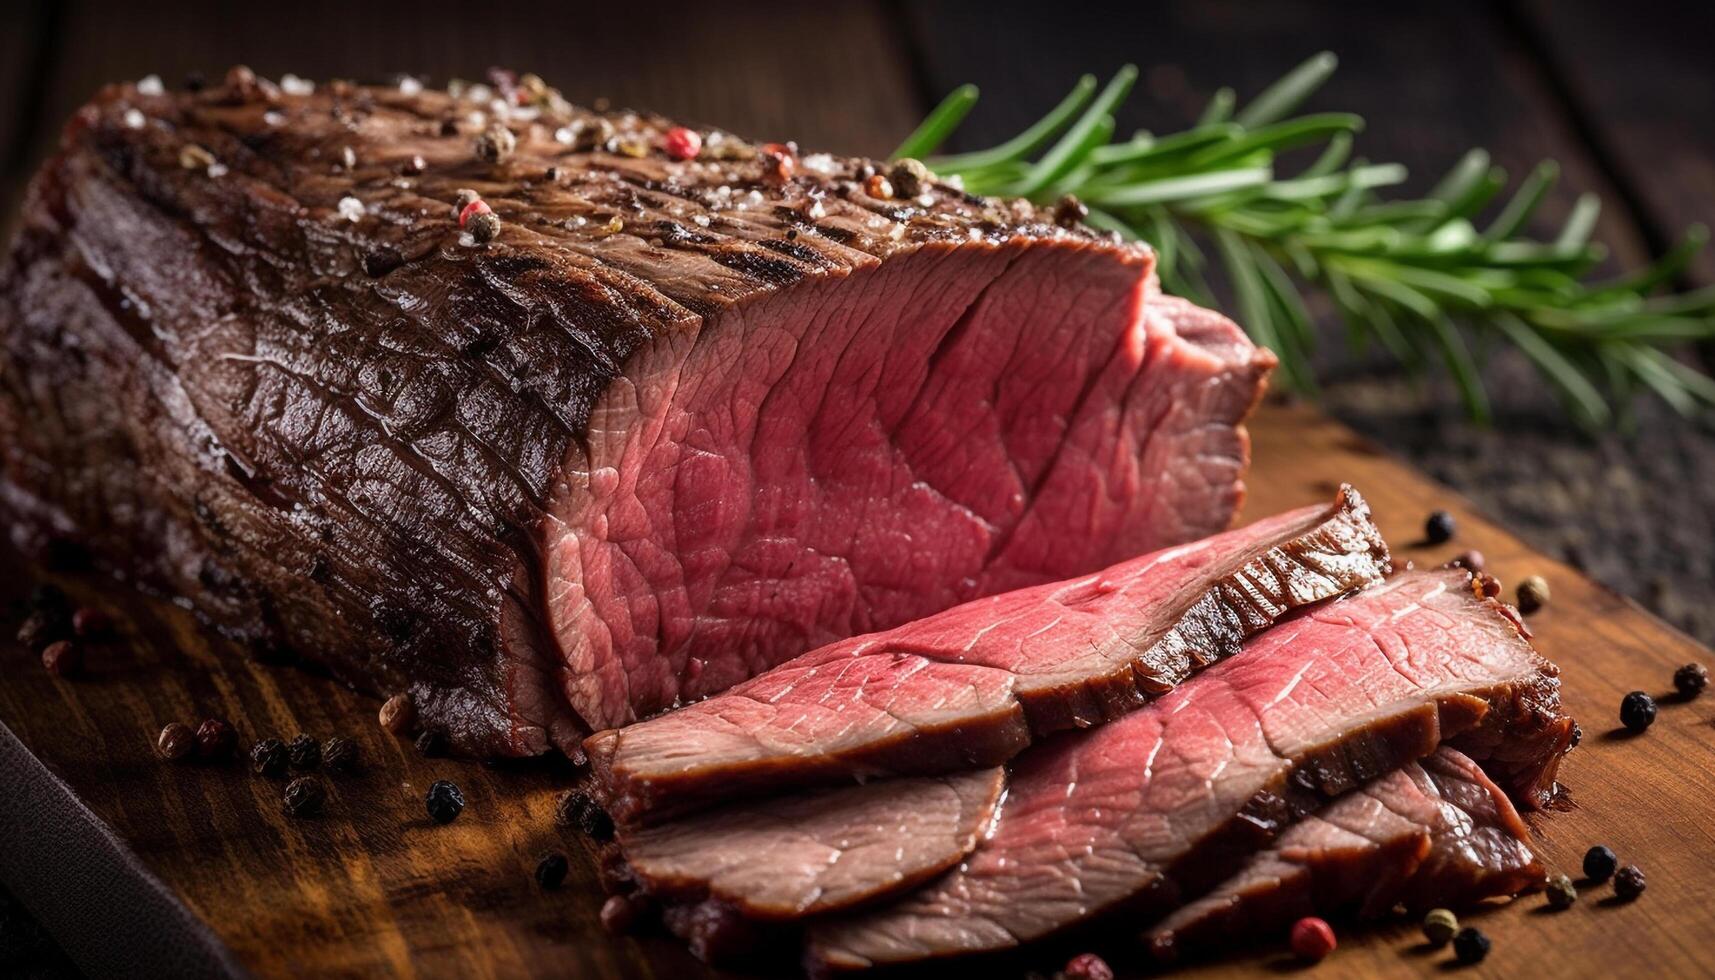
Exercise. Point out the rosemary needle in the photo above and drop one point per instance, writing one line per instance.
(1415, 275)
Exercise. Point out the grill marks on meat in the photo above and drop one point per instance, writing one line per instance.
(1432, 833)
(1158, 807)
(976, 684)
(576, 475)
(818, 852)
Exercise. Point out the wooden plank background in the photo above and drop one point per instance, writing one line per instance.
(1619, 95)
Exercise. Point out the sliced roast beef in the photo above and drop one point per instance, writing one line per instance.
(974, 685)
(1153, 810)
(819, 851)
(662, 426)
(1430, 834)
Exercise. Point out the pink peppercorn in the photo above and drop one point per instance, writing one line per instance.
(682, 143)
(473, 209)
(1312, 939)
(1088, 966)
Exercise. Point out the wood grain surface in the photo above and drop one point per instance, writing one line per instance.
(373, 887)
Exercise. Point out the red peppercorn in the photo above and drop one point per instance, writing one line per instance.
(63, 658)
(215, 739)
(471, 210)
(1312, 939)
(1087, 966)
(682, 143)
(91, 623)
(778, 162)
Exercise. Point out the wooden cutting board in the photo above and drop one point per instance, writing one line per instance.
(139, 866)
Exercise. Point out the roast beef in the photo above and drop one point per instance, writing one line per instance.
(677, 422)
(974, 685)
(819, 851)
(1153, 810)
(1430, 834)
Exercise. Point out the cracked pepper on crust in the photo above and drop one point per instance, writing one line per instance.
(644, 429)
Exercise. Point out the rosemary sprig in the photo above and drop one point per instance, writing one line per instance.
(1409, 274)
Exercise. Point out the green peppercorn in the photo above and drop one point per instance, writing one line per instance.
(1629, 883)
(1440, 926)
(1599, 863)
(1561, 892)
(909, 177)
(1532, 594)
(1470, 945)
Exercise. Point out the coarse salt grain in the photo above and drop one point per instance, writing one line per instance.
(576, 221)
(479, 93)
(409, 85)
(351, 209)
(478, 119)
(467, 239)
(217, 170)
(754, 197)
(702, 220)
(151, 85)
(821, 163)
(565, 135)
(956, 182)
(274, 118)
(348, 156)
(815, 210)
(293, 85)
(134, 119)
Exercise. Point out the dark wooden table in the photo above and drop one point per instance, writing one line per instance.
(1620, 95)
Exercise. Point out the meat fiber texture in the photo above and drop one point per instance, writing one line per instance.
(1430, 834)
(976, 684)
(678, 422)
(1151, 811)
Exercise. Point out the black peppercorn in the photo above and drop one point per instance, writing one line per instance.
(1562, 893)
(444, 802)
(1470, 945)
(1577, 735)
(268, 758)
(340, 755)
(381, 260)
(304, 752)
(176, 741)
(215, 739)
(1629, 883)
(1599, 863)
(431, 743)
(909, 177)
(1439, 527)
(1690, 680)
(1637, 711)
(578, 809)
(304, 796)
(551, 870)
